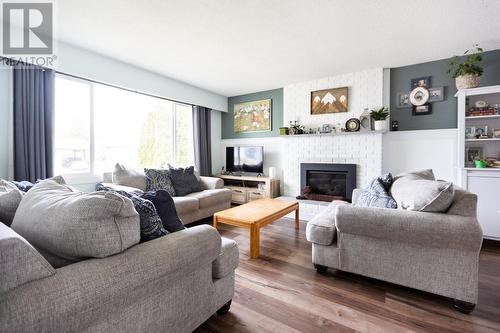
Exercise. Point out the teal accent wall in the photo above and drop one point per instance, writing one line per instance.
(444, 114)
(275, 95)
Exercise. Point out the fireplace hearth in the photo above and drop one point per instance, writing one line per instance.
(327, 181)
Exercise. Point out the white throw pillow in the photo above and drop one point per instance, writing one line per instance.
(419, 191)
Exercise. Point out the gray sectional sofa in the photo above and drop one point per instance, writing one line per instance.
(72, 262)
(434, 252)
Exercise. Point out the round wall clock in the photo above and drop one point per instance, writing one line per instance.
(352, 125)
(419, 96)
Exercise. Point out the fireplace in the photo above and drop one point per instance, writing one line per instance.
(327, 181)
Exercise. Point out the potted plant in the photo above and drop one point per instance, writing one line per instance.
(467, 72)
(296, 128)
(380, 116)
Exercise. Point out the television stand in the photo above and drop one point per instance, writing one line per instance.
(248, 188)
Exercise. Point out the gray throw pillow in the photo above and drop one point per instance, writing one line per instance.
(376, 195)
(159, 179)
(72, 225)
(419, 191)
(127, 177)
(10, 197)
(184, 181)
(20, 262)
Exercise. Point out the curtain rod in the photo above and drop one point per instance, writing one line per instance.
(123, 88)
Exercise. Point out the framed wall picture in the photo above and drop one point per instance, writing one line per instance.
(422, 110)
(436, 94)
(424, 81)
(253, 116)
(403, 100)
(333, 100)
(472, 154)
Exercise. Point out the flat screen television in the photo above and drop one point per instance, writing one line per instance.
(245, 159)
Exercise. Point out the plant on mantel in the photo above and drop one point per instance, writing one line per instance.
(380, 116)
(467, 72)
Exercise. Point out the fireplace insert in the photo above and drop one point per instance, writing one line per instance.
(327, 181)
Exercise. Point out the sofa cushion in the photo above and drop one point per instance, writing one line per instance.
(376, 195)
(184, 181)
(165, 207)
(185, 205)
(210, 198)
(74, 225)
(418, 191)
(228, 258)
(128, 177)
(321, 229)
(159, 179)
(10, 197)
(19, 261)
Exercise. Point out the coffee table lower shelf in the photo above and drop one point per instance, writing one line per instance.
(255, 215)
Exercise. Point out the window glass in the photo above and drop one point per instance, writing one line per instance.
(72, 127)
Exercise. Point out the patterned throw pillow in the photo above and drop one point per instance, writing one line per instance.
(150, 222)
(376, 194)
(184, 180)
(159, 179)
(151, 225)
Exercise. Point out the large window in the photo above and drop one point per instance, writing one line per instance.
(97, 126)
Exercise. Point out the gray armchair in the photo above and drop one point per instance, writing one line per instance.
(433, 252)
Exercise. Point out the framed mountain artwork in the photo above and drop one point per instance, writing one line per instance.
(252, 116)
(332, 100)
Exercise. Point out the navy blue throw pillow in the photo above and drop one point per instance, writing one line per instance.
(376, 194)
(165, 208)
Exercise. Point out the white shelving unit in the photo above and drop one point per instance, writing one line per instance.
(483, 182)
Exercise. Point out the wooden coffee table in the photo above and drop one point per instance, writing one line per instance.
(256, 214)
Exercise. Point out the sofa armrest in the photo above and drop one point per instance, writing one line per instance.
(355, 194)
(212, 183)
(228, 259)
(429, 229)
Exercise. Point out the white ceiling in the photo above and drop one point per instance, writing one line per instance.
(240, 46)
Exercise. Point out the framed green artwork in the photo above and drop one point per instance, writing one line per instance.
(253, 116)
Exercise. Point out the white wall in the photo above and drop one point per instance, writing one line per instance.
(80, 62)
(424, 149)
(5, 91)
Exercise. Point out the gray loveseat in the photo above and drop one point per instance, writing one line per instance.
(170, 284)
(434, 252)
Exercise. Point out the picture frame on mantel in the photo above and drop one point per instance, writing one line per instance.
(333, 100)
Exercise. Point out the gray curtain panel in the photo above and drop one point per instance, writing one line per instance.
(202, 140)
(33, 122)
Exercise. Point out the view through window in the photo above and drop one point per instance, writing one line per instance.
(97, 126)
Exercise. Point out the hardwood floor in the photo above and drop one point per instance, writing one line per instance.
(281, 292)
